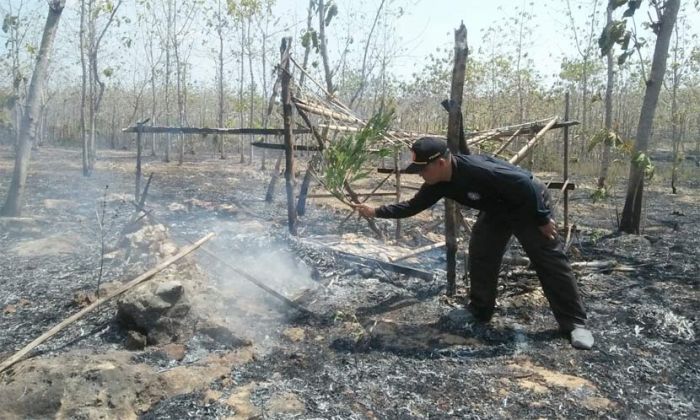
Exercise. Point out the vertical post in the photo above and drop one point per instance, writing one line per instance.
(398, 190)
(286, 97)
(139, 150)
(453, 137)
(566, 162)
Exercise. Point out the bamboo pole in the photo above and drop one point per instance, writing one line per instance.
(324, 112)
(507, 143)
(379, 194)
(418, 251)
(522, 153)
(138, 280)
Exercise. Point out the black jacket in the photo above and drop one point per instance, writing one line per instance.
(484, 183)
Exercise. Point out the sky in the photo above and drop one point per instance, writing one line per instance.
(430, 24)
(423, 27)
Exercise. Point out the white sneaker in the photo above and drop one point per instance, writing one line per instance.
(582, 338)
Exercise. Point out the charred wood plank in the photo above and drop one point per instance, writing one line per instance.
(276, 146)
(385, 265)
(221, 131)
(559, 185)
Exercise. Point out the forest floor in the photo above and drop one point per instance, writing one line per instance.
(373, 345)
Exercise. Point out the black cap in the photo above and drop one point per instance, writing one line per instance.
(426, 150)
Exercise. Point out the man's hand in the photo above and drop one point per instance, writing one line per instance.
(365, 210)
(549, 230)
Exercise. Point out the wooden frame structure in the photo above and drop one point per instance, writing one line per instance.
(331, 115)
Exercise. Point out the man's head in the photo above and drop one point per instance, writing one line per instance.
(431, 160)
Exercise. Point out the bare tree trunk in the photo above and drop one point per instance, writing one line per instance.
(286, 98)
(270, 194)
(240, 92)
(251, 111)
(83, 92)
(677, 121)
(220, 84)
(605, 161)
(153, 93)
(363, 72)
(323, 47)
(265, 114)
(453, 137)
(180, 101)
(168, 41)
(678, 135)
(307, 49)
(15, 195)
(632, 211)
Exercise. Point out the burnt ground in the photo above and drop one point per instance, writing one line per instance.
(375, 344)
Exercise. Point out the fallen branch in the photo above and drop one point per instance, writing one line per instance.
(138, 280)
(370, 194)
(258, 283)
(418, 251)
(596, 265)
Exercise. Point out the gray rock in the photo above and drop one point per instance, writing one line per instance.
(135, 340)
(162, 312)
(170, 291)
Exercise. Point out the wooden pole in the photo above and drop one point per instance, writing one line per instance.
(566, 162)
(522, 153)
(138, 280)
(398, 192)
(285, 78)
(507, 143)
(453, 140)
(418, 251)
(139, 150)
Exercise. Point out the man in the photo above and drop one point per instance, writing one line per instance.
(512, 202)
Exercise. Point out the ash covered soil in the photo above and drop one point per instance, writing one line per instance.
(374, 344)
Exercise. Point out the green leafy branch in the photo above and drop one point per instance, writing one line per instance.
(643, 161)
(345, 160)
(616, 32)
(612, 139)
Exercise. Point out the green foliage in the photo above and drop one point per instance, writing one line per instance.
(310, 38)
(9, 22)
(242, 9)
(600, 194)
(597, 234)
(643, 161)
(331, 12)
(610, 138)
(616, 32)
(345, 158)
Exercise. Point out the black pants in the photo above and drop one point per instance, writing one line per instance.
(487, 245)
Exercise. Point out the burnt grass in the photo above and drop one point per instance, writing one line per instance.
(375, 344)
